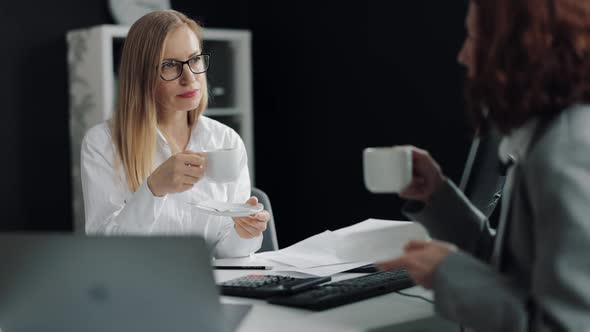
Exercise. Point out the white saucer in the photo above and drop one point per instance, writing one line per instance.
(227, 209)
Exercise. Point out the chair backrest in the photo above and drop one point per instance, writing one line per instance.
(269, 242)
(482, 181)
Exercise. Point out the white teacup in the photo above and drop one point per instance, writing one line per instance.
(223, 165)
(387, 169)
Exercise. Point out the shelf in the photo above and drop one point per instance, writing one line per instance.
(223, 111)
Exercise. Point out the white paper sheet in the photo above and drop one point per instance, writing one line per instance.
(376, 240)
(320, 271)
(318, 250)
(251, 260)
(372, 240)
(284, 269)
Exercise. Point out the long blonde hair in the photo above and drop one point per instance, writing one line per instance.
(134, 124)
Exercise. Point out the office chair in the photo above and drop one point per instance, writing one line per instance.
(269, 242)
(482, 180)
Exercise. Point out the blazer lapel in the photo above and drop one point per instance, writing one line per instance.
(496, 258)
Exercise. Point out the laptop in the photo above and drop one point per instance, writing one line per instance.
(62, 282)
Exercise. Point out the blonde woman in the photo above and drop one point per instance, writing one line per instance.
(140, 168)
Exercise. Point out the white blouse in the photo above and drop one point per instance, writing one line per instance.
(111, 208)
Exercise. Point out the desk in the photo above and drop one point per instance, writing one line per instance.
(390, 312)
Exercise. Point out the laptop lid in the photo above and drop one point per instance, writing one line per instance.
(78, 283)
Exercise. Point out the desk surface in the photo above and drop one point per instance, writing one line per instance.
(389, 312)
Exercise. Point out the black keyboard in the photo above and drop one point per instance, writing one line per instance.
(264, 286)
(347, 291)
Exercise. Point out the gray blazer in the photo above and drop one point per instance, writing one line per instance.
(542, 279)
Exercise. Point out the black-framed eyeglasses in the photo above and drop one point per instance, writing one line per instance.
(172, 69)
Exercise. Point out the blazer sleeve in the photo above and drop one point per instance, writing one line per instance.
(561, 210)
(557, 297)
(450, 216)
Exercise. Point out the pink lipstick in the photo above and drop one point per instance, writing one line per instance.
(189, 94)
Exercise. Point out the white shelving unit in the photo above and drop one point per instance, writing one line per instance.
(92, 83)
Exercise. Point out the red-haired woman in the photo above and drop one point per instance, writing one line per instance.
(529, 74)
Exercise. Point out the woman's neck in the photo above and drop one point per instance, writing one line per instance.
(174, 126)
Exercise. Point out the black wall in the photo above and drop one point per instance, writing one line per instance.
(328, 81)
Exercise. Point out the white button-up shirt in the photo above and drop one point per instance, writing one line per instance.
(111, 208)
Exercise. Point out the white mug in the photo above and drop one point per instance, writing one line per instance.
(223, 165)
(387, 169)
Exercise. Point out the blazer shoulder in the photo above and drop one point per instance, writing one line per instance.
(563, 137)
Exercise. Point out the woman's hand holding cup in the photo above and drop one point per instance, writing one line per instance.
(405, 170)
(427, 177)
(178, 173)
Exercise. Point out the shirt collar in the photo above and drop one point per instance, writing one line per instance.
(161, 136)
(195, 131)
(514, 146)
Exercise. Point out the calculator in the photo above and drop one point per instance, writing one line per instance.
(263, 286)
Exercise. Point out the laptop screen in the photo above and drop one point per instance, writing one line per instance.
(78, 283)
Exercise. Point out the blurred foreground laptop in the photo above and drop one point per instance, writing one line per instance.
(77, 283)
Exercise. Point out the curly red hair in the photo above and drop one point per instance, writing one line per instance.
(532, 58)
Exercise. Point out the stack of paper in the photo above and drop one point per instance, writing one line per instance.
(330, 252)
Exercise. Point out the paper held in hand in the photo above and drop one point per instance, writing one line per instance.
(377, 239)
(369, 241)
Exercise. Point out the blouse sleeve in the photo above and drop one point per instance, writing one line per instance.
(108, 209)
